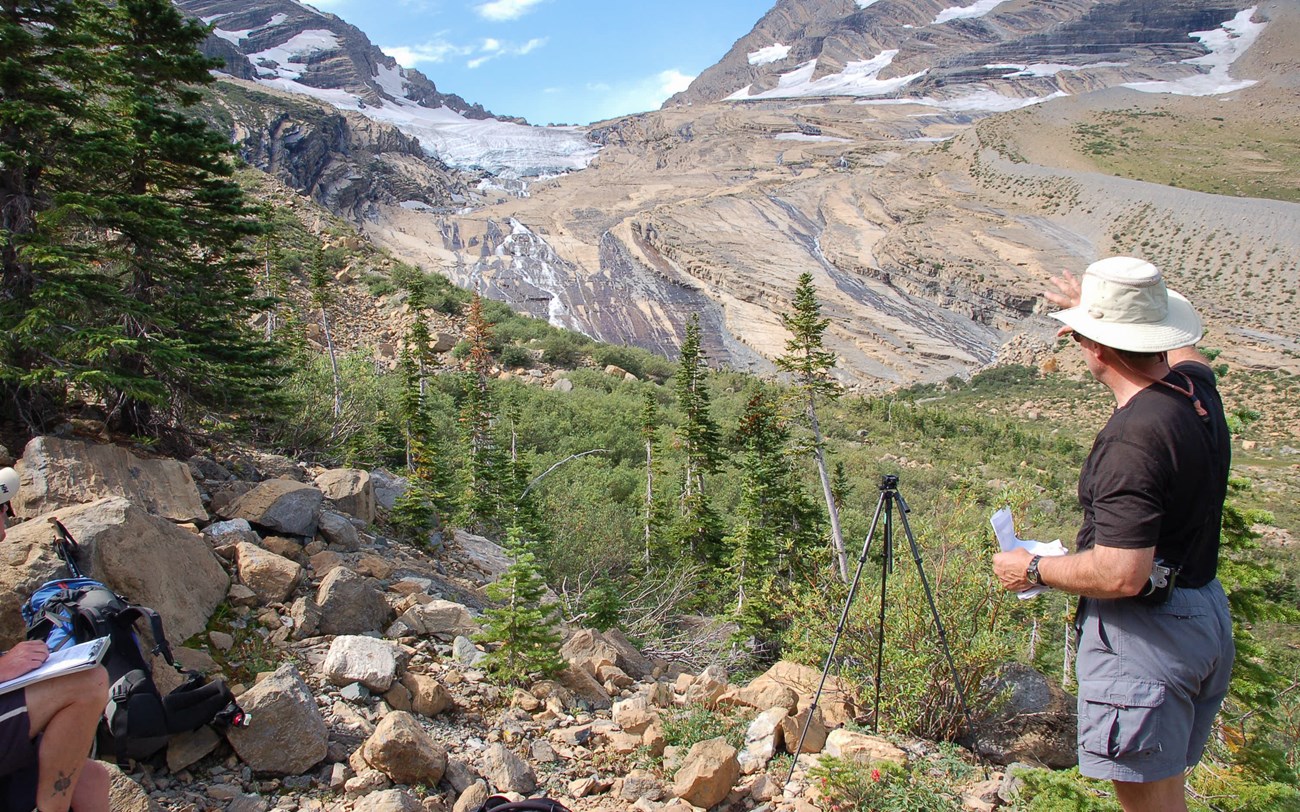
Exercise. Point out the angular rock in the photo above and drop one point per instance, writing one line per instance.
(231, 532)
(402, 750)
(1028, 718)
(589, 650)
(149, 560)
(472, 797)
(442, 619)
(464, 651)
(863, 749)
(58, 473)
(507, 772)
(288, 735)
(483, 554)
(283, 505)
(428, 696)
(459, 775)
(388, 487)
(125, 795)
(371, 662)
(762, 739)
(273, 577)
(766, 694)
(708, 687)
(838, 703)
(350, 605)
(640, 784)
(708, 773)
(632, 661)
(633, 715)
(351, 490)
(792, 728)
(585, 689)
(388, 800)
(338, 531)
(305, 614)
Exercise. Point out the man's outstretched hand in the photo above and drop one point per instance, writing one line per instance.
(24, 657)
(1067, 290)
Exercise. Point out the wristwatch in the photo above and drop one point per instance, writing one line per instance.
(1031, 572)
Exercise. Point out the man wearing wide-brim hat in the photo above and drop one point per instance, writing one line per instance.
(1155, 638)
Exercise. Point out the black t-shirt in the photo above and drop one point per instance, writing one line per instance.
(1158, 474)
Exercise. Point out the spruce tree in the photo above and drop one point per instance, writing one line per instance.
(322, 296)
(486, 466)
(522, 625)
(649, 434)
(697, 525)
(810, 364)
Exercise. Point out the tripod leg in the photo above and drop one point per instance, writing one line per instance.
(839, 630)
(885, 565)
(934, 613)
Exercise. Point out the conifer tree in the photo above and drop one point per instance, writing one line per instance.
(697, 525)
(523, 626)
(775, 521)
(126, 274)
(810, 363)
(486, 468)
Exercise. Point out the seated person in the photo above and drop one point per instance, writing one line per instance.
(47, 728)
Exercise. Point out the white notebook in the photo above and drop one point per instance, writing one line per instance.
(61, 663)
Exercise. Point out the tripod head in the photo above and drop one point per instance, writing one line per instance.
(889, 488)
(889, 482)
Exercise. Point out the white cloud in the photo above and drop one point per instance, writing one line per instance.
(637, 96)
(493, 48)
(432, 52)
(505, 9)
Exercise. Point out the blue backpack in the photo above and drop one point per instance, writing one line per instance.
(138, 720)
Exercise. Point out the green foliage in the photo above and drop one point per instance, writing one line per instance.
(602, 605)
(512, 356)
(1063, 791)
(563, 349)
(523, 627)
(849, 787)
(695, 723)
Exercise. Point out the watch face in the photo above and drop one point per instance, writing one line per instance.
(1031, 574)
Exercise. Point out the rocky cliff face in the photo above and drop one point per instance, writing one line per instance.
(346, 162)
(286, 46)
(982, 55)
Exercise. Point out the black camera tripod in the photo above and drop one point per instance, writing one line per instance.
(889, 499)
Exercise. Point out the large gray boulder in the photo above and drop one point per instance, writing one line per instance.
(351, 490)
(350, 605)
(354, 658)
(149, 560)
(507, 772)
(58, 473)
(288, 735)
(1027, 718)
(283, 505)
(441, 619)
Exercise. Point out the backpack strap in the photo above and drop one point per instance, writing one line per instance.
(160, 645)
(498, 803)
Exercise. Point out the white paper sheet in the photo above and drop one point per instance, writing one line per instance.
(1004, 527)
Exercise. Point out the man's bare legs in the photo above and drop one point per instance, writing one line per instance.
(66, 711)
(1168, 795)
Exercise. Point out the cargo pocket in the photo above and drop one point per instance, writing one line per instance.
(1120, 717)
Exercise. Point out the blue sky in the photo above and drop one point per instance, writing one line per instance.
(555, 61)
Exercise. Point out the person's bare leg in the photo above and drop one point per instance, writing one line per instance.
(91, 794)
(66, 710)
(1168, 795)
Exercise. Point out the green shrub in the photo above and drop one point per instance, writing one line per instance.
(513, 355)
(696, 724)
(849, 787)
(564, 349)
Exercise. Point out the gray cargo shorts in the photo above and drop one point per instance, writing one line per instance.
(1151, 679)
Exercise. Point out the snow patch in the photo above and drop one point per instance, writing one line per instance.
(979, 9)
(1225, 43)
(1044, 69)
(857, 79)
(806, 137)
(496, 146)
(233, 37)
(770, 54)
(277, 61)
(979, 101)
(392, 81)
(865, 3)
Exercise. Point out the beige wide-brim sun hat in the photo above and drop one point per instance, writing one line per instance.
(1123, 303)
